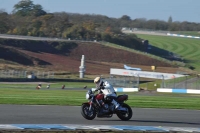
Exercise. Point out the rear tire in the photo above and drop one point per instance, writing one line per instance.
(125, 116)
(89, 115)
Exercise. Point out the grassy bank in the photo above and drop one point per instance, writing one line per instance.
(186, 48)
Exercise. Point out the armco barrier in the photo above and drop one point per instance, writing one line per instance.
(171, 90)
(72, 127)
(123, 89)
(177, 35)
(126, 89)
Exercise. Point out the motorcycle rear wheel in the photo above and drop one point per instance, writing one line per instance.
(125, 116)
(86, 113)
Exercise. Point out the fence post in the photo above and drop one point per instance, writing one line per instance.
(53, 75)
(163, 82)
(38, 73)
(174, 82)
(25, 74)
(48, 75)
(186, 82)
(138, 80)
(124, 80)
(196, 82)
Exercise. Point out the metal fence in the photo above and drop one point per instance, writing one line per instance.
(192, 82)
(42, 74)
(123, 81)
(25, 74)
(186, 82)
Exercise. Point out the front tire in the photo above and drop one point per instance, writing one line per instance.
(86, 113)
(125, 116)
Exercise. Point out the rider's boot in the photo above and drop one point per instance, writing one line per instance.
(115, 103)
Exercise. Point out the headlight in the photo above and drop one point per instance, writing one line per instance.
(87, 96)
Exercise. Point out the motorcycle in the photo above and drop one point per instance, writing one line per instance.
(102, 107)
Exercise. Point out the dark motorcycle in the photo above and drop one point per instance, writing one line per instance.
(102, 107)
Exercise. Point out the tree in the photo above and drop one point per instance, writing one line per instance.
(4, 22)
(106, 37)
(170, 20)
(37, 11)
(27, 8)
(126, 18)
(23, 8)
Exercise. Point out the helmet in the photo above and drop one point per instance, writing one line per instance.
(97, 81)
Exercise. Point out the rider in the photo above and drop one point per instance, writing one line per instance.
(107, 90)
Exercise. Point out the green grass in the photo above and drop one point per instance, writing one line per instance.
(174, 101)
(58, 96)
(53, 85)
(187, 48)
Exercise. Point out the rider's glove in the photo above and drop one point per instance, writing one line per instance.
(98, 88)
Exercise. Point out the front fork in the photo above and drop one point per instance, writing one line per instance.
(90, 102)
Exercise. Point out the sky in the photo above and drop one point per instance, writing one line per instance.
(179, 10)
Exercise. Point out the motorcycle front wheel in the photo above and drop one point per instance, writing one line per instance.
(125, 115)
(86, 113)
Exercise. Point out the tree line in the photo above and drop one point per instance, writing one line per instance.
(31, 19)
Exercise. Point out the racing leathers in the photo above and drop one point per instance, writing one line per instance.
(109, 93)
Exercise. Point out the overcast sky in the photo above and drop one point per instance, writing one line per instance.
(179, 10)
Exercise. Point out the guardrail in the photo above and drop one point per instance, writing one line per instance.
(123, 89)
(186, 36)
(171, 90)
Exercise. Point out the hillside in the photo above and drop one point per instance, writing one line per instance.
(184, 49)
(66, 57)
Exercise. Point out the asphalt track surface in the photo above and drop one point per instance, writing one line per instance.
(53, 114)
